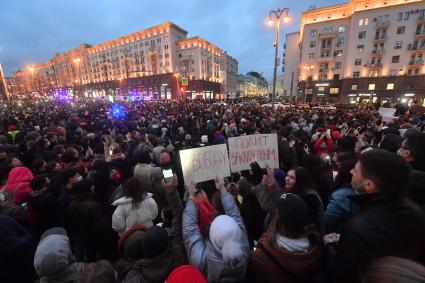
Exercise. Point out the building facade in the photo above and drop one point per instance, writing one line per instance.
(229, 69)
(159, 61)
(251, 86)
(358, 52)
(4, 94)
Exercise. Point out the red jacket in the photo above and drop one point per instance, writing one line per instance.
(321, 151)
(18, 182)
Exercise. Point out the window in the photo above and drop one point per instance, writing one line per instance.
(390, 86)
(338, 53)
(353, 87)
(363, 22)
(400, 30)
(337, 65)
(321, 88)
(406, 16)
(393, 72)
(333, 90)
(341, 28)
(311, 55)
(327, 29)
(362, 34)
(336, 77)
(371, 87)
(395, 59)
(340, 41)
(359, 48)
(398, 44)
(358, 62)
(312, 43)
(399, 17)
(313, 32)
(356, 74)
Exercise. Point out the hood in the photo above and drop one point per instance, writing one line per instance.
(299, 263)
(126, 200)
(19, 175)
(53, 255)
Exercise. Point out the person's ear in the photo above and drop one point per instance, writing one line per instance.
(371, 186)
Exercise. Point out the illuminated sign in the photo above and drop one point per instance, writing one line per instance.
(322, 84)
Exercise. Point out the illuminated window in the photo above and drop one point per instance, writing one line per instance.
(390, 86)
(371, 87)
(353, 87)
(333, 90)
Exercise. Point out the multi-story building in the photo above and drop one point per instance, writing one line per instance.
(156, 62)
(4, 94)
(229, 69)
(249, 85)
(361, 51)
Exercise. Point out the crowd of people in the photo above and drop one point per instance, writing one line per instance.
(83, 196)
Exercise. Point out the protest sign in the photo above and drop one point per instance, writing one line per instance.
(387, 114)
(204, 163)
(244, 150)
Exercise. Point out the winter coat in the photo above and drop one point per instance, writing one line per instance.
(17, 212)
(201, 252)
(126, 215)
(339, 209)
(18, 182)
(326, 150)
(15, 251)
(416, 189)
(158, 269)
(384, 226)
(54, 262)
(44, 211)
(270, 263)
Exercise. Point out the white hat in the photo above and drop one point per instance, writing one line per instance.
(204, 139)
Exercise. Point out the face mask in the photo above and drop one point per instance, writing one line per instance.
(358, 189)
(79, 178)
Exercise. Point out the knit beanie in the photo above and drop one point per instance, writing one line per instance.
(155, 242)
(186, 273)
(294, 213)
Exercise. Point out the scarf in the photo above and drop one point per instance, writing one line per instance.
(300, 245)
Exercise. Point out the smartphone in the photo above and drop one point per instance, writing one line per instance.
(168, 174)
(111, 152)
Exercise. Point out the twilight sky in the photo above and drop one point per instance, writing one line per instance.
(32, 31)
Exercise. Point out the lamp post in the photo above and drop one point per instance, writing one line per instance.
(31, 69)
(277, 14)
(308, 68)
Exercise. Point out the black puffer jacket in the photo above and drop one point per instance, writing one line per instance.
(384, 226)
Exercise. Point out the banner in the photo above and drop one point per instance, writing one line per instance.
(244, 150)
(204, 163)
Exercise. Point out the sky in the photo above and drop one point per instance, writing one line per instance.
(32, 31)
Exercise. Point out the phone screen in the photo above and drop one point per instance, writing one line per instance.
(168, 174)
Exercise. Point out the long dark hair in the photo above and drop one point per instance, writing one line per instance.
(132, 188)
(303, 182)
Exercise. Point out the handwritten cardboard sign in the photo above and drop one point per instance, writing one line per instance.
(204, 163)
(246, 149)
(387, 113)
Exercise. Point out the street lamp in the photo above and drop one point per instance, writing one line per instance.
(277, 14)
(308, 68)
(31, 69)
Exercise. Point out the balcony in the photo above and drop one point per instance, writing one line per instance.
(380, 37)
(377, 65)
(328, 34)
(421, 19)
(382, 24)
(323, 70)
(416, 47)
(378, 51)
(325, 48)
(420, 34)
(416, 62)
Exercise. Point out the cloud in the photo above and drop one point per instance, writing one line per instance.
(32, 31)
